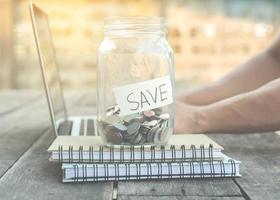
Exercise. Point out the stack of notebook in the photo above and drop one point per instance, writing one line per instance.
(85, 158)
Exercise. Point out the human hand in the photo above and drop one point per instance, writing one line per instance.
(187, 119)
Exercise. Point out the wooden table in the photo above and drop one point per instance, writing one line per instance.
(25, 172)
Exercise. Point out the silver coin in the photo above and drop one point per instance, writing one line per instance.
(141, 119)
(164, 134)
(112, 119)
(164, 116)
(120, 126)
(137, 139)
(133, 126)
(130, 138)
(127, 136)
(151, 134)
(150, 123)
(128, 118)
(114, 137)
(143, 139)
(109, 113)
(144, 130)
(163, 123)
(110, 110)
(157, 135)
(107, 127)
(157, 111)
(145, 127)
(116, 110)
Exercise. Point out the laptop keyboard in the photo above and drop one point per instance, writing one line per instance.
(90, 127)
(87, 127)
(65, 128)
(82, 127)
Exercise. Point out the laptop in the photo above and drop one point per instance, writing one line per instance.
(62, 123)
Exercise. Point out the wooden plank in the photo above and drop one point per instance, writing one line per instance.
(34, 177)
(31, 176)
(176, 198)
(260, 167)
(11, 100)
(21, 128)
(184, 187)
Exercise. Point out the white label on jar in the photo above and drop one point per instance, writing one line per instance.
(144, 95)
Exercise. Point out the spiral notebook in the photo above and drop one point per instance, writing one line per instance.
(90, 149)
(136, 171)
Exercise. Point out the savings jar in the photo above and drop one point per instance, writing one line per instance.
(135, 82)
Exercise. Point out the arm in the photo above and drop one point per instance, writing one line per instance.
(250, 75)
(256, 111)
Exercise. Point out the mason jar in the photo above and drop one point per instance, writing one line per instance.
(135, 87)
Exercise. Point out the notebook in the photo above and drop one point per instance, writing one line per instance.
(90, 149)
(226, 167)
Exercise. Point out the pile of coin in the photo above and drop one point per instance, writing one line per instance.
(148, 127)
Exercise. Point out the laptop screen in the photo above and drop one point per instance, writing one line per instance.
(48, 64)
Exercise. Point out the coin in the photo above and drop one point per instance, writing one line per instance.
(107, 127)
(163, 123)
(137, 139)
(133, 126)
(157, 135)
(112, 119)
(129, 138)
(143, 139)
(144, 130)
(149, 113)
(157, 111)
(128, 118)
(110, 110)
(120, 126)
(164, 134)
(109, 113)
(141, 119)
(151, 134)
(149, 126)
(116, 110)
(114, 137)
(164, 116)
(150, 123)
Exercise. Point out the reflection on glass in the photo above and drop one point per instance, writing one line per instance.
(50, 65)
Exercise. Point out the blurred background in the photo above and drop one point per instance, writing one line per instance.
(209, 37)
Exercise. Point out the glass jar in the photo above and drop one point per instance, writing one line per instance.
(135, 88)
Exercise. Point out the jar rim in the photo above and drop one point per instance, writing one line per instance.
(136, 23)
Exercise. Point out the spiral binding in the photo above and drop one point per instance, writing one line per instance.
(143, 152)
(201, 169)
(162, 149)
(80, 153)
(233, 168)
(70, 155)
(81, 171)
(202, 152)
(173, 153)
(193, 149)
(153, 153)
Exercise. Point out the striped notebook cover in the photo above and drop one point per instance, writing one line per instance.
(90, 149)
(137, 171)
